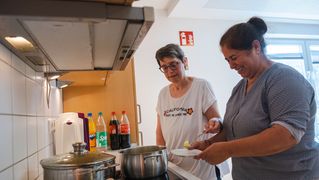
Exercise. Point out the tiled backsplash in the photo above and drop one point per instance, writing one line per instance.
(24, 119)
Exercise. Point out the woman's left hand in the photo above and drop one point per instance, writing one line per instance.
(213, 126)
(214, 154)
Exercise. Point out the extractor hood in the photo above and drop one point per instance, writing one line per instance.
(74, 35)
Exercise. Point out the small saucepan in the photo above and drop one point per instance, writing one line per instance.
(144, 162)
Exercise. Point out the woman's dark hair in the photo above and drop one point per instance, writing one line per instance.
(170, 50)
(241, 36)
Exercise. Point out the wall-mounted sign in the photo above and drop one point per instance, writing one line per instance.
(186, 38)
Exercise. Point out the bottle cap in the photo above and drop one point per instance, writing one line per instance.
(89, 114)
(113, 113)
(123, 112)
(100, 113)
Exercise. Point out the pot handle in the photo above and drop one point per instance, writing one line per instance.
(153, 156)
(105, 168)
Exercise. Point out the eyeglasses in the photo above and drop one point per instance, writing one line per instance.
(172, 66)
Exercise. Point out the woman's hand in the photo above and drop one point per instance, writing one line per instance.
(214, 154)
(201, 145)
(214, 125)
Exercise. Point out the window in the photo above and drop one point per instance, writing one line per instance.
(303, 55)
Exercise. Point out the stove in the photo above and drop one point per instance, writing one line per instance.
(166, 176)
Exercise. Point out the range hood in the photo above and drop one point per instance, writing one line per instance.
(74, 35)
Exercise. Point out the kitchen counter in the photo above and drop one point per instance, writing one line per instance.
(181, 173)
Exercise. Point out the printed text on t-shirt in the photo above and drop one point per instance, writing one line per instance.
(174, 112)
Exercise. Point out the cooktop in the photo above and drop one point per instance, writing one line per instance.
(166, 176)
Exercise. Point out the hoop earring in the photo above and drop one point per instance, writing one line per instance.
(186, 67)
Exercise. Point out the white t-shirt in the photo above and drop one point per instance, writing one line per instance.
(183, 119)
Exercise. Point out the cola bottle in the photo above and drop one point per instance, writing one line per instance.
(114, 132)
(125, 131)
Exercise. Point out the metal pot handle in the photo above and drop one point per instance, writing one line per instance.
(105, 168)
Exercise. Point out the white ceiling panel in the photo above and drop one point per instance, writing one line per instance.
(302, 11)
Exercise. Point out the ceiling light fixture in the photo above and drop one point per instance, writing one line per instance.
(20, 43)
(53, 75)
(63, 84)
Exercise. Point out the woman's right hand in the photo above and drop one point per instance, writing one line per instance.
(201, 145)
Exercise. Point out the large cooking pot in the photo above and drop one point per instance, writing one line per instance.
(79, 165)
(144, 162)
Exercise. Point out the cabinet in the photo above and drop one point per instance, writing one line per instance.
(105, 91)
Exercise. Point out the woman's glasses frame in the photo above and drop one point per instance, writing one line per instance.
(172, 66)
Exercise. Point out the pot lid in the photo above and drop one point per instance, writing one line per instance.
(79, 158)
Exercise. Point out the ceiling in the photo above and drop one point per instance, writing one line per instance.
(275, 10)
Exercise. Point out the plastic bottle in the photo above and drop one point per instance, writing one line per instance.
(101, 134)
(92, 132)
(114, 132)
(125, 131)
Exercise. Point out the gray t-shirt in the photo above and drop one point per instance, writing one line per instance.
(282, 96)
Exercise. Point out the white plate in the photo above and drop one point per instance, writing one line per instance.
(186, 152)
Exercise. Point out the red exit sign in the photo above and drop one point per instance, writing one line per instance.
(186, 38)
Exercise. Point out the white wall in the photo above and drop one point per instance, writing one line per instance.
(205, 61)
(24, 119)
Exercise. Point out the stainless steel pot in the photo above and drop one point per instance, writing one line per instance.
(79, 165)
(144, 162)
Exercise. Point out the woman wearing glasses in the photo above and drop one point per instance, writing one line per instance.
(269, 119)
(183, 109)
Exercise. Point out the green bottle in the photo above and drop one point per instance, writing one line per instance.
(101, 134)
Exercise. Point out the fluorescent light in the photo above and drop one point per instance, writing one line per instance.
(54, 77)
(20, 43)
(62, 84)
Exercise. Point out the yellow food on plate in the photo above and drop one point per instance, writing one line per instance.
(187, 144)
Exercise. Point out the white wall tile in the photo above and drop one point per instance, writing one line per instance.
(41, 132)
(33, 169)
(19, 93)
(47, 111)
(19, 138)
(18, 64)
(20, 170)
(5, 54)
(7, 174)
(40, 177)
(31, 96)
(30, 73)
(41, 100)
(6, 143)
(47, 133)
(43, 154)
(51, 153)
(32, 135)
(5, 88)
(26, 139)
(39, 77)
(56, 107)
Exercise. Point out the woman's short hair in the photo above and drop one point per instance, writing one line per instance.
(170, 50)
(241, 36)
